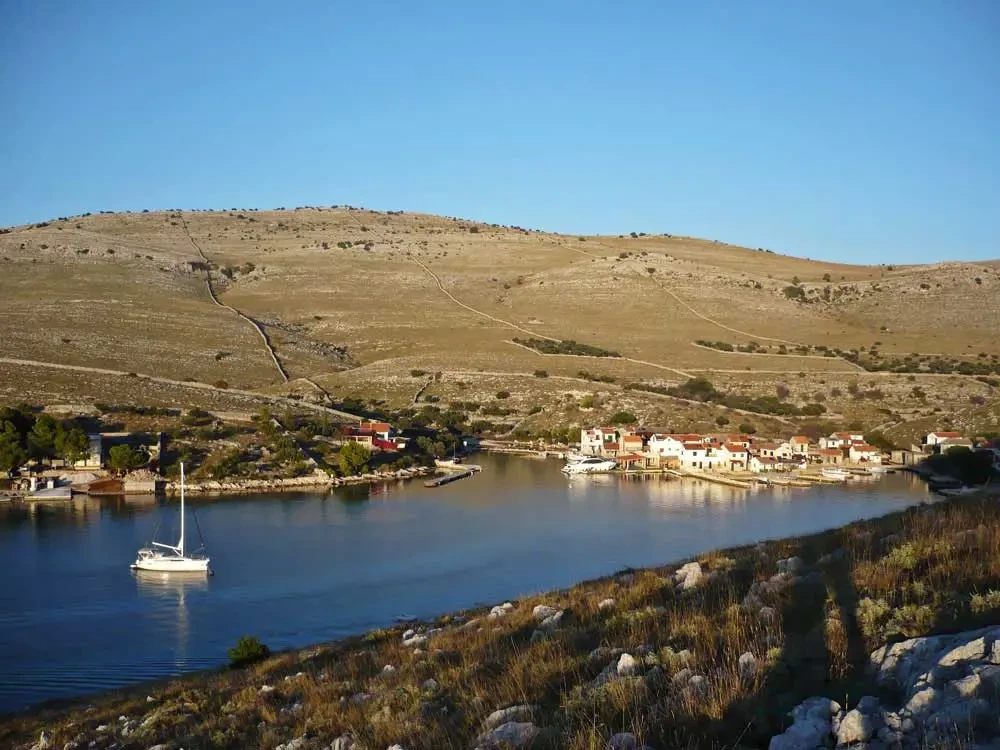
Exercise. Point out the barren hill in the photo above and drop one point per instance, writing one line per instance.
(354, 302)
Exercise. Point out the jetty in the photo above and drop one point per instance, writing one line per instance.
(463, 472)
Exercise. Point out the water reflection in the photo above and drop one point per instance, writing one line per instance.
(170, 592)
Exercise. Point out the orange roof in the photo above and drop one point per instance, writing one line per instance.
(733, 448)
(612, 447)
(864, 448)
(630, 457)
(799, 439)
(829, 452)
(947, 434)
(376, 426)
(632, 439)
(694, 446)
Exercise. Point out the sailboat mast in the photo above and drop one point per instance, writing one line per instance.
(180, 545)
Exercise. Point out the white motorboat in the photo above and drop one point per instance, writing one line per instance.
(573, 457)
(878, 469)
(589, 465)
(170, 558)
(835, 474)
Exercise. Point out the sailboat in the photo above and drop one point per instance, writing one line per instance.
(169, 558)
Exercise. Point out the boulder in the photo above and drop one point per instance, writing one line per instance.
(624, 741)
(627, 666)
(768, 614)
(681, 677)
(511, 734)
(747, 666)
(688, 576)
(857, 727)
(606, 604)
(543, 611)
(810, 728)
(500, 610)
(698, 685)
(553, 621)
(430, 685)
(521, 713)
(792, 565)
(344, 742)
(415, 641)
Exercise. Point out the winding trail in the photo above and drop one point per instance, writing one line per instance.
(516, 327)
(211, 293)
(707, 319)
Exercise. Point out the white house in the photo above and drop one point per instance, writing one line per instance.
(799, 445)
(592, 441)
(697, 455)
(733, 457)
(840, 439)
(670, 445)
(862, 453)
(936, 438)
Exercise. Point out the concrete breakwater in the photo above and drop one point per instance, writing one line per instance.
(239, 485)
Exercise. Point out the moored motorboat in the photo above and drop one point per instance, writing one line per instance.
(590, 465)
(835, 474)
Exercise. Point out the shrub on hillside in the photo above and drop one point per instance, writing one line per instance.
(247, 650)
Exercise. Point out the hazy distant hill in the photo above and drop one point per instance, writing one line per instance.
(358, 300)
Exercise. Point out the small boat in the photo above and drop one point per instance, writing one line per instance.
(589, 465)
(878, 469)
(169, 558)
(835, 474)
(573, 457)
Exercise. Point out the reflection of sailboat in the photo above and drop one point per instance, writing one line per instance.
(169, 558)
(167, 592)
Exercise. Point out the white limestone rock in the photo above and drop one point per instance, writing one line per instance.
(511, 734)
(606, 604)
(688, 576)
(627, 666)
(543, 611)
(521, 713)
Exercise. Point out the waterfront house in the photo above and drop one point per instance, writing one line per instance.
(840, 439)
(631, 443)
(733, 457)
(936, 438)
(799, 445)
(827, 456)
(672, 444)
(960, 442)
(357, 435)
(594, 440)
(862, 453)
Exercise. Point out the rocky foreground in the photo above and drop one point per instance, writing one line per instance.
(883, 634)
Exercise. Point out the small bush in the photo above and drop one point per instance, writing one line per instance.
(722, 420)
(247, 650)
(747, 429)
(541, 374)
(502, 394)
(623, 417)
(417, 373)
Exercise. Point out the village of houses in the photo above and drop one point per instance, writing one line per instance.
(637, 449)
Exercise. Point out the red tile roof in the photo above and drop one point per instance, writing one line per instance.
(947, 434)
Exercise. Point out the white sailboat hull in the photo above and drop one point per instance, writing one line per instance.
(168, 564)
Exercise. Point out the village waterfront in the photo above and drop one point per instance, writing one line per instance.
(300, 568)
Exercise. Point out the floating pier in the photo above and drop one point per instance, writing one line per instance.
(453, 476)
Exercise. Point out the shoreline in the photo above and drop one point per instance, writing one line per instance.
(351, 677)
(233, 486)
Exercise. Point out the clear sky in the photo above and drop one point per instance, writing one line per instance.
(853, 130)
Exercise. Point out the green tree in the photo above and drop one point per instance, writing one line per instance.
(12, 452)
(42, 438)
(72, 445)
(623, 417)
(747, 429)
(125, 457)
(722, 420)
(354, 458)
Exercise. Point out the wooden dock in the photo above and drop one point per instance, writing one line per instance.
(453, 476)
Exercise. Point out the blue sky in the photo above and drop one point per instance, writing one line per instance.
(849, 130)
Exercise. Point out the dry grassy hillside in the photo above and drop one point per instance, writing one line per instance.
(356, 300)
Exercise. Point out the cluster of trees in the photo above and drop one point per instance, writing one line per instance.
(567, 346)
(24, 436)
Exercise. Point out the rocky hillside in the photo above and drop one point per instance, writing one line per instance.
(355, 302)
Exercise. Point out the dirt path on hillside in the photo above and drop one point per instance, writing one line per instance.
(211, 293)
(516, 327)
(190, 384)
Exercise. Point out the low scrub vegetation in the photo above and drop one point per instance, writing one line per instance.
(566, 347)
(701, 389)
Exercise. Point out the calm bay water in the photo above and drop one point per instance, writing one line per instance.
(295, 569)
